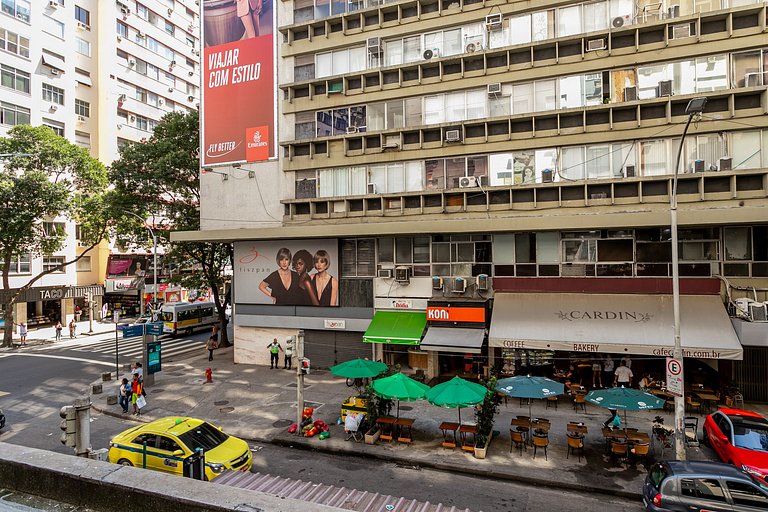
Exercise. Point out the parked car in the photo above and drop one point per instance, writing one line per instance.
(2, 419)
(696, 486)
(172, 439)
(740, 438)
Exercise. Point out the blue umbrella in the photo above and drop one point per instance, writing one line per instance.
(627, 399)
(522, 386)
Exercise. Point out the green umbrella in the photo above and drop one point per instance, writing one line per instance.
(627, 399)
(358, 369)
(457, 393)
(521, 386)
(401, 388)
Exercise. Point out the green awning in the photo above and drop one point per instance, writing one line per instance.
(396, 327)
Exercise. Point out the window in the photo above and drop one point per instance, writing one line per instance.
(141, 11)
(358, 257)
(703, 488)
(53, 94)
(56, 126)
(167, 444)
(14, 43)
(57, 229)
(20, 264)
(13, 114)
(122, 29)
(340, 61)
(82, 16)
(83, 47)
(82, 108)
(141, 123)
(170, 27)
(51, 263)
(17, 8)
(53, 27)
(745, 150)
(747, 495)
(14, 79)
(83, 264)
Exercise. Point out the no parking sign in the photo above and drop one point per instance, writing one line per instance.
(675, 376)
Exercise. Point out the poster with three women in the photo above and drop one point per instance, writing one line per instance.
(287, 272)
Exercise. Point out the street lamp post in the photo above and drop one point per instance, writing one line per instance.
(154, 259)
(695, 107)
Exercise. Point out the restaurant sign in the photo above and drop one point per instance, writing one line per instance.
(451, 314)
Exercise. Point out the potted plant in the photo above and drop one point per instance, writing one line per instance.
(485, 413)
(375, 407)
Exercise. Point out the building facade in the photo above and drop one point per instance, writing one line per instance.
(99, 73)
(469, 160)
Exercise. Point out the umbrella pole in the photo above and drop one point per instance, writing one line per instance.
(398, 410)
(459, 416)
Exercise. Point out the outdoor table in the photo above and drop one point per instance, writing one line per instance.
(638, 437)
(446, 427)
(544, 425)
(387, 424)
(464, 432)
(577, 428)
(708, 398)
(609, 434)
(405, 425)
(523, 426)
(662, 393)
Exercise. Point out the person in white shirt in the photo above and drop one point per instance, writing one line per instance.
(608, 370)
(627, 361)
(646, 381)
(623, 376)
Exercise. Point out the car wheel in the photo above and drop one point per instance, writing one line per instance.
(188, 332)
(125, 462)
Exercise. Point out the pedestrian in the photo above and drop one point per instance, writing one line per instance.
(72, 328)
(211, 345)
(125, 395)
(614, 421)
(274, 354)
(623, 375)
(23, 333)
(597, 374)
(136, 389)
(627, 361)
(288, 354)
(215, 332)
(608, 370)
(59, 328)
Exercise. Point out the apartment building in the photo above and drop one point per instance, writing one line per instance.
(100, 73)
(492, 180)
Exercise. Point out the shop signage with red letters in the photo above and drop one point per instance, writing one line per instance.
(451, 314)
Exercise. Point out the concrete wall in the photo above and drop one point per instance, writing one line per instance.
(103, 486)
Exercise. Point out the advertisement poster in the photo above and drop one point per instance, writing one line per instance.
(238, 108)
(287, 272)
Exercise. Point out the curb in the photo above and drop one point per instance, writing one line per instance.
(446, 468)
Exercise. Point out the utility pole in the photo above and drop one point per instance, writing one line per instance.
(116, 316)
(299, 379)
(89, 298)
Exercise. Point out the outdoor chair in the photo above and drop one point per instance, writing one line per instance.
(517, 441)
(738, 400)
(619, 450)
(579, 400)
(575, 445)
(640, 450)
(669, 406)
(691, 429)
(352, 427)
(552, 400)
(540, 441)
(693, 404)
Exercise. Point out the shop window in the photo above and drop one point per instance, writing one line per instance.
(83, 264)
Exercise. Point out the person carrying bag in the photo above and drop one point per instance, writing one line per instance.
(211, 345)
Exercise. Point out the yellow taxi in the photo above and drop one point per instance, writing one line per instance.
(170, 440)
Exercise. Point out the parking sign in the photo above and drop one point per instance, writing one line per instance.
(675, 376)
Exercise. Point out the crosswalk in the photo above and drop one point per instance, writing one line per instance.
(172, 348)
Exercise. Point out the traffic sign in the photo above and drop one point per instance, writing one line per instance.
(129, 331)
(675, 376)
(155, 329)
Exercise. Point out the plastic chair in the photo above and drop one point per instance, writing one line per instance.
(540, 441)
(640, 450)
(691, 429)
(352, 427)
(575, 444)
(516, 441)
(579, 400)
(552, 400)
(619, 450)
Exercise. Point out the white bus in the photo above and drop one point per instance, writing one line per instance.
(187, 316)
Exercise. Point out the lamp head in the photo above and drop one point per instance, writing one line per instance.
(696, 106)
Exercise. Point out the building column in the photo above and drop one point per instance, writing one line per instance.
(433, 365)
(39, 308)
(98, 303)
(19, 314)
(67, 311)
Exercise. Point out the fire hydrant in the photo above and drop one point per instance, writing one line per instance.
(208, 376)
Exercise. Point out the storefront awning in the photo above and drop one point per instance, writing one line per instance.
(453, 339)
(613, 323)
(396, 327)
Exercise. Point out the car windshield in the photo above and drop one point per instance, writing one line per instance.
(751, 435)
(204, 436)
(167, 316)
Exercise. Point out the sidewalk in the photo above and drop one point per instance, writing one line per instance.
(46, 335)
(258, 404)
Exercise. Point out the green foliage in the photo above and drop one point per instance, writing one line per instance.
(485, 412)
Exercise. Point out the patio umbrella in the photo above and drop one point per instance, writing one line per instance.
(358, 369)
(626, 399)
(456, 393)
(401, 388)
(522, 386)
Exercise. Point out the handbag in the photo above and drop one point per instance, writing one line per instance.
(141, 402)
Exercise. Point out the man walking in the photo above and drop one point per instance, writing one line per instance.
(288, 354)
(274, 354)
(623, 376)
(23, 333)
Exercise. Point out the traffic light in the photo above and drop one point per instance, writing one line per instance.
(68, 425)
(305, 365)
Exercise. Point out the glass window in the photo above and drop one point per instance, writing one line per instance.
(452, 42)
(53, 27)
(434, 110)
(476, 100)
(711, 73)
(412, 49)
(747, 69)
(543, 24)
(53, 94)
(738, 243)
(705, 488)
(205, 436)
(455, 106)
(520, 29)
(653, 158)
(395, 114)
(51, 263)
(545, 95)
(413, 112)
(82, 16)
(522, 98)
(83, 264)
(83, 47)
(17, 8)
(82, 108)
(745, 149)
(595, 16)
(747, 495)
(598, 162)
(569, 20)
(571, 92)
(15, 79)
(13, 114)
(435, 174)
(572, 163)
(547, 247)
(13, 43)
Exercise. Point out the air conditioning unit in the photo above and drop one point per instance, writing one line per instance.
(131, 62)
(191, 73)
(468, 182)
(191, 98)
(131, 118)
(170, 11)
(698, 166)
(437, 283)
(494, 89)
(402, 274)
(629, 171)
(351, 130)
(547, 176)
(681, 31)
(431, 54)
(385, 273)
(596, 44)
(473, 47)
(459, 285)
(752, 79)
(452, 135)
(81, 25)
(390, 145)
(374, 45)
(139, 33)
(494, 21)
(726, 163)
(53, 108)
(119, 39)
(191, 27)
(54, 71)
(171, 89)
(53, 4)
(664, 88)
(125, 12)
(758, 312)
(372, 190)
(80, 119)
(482, 281)
(618, 22)
(673, 11)
(630, 93)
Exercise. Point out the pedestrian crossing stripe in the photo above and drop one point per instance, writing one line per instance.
(3, 393)
(133, 348)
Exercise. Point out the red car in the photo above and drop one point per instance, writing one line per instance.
(739, 438)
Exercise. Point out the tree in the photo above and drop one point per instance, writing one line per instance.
(158, 180)
(43, 177)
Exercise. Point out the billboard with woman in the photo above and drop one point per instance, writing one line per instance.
(238, 107)
(287, 273)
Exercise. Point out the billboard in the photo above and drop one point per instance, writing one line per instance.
(287, 272)
(238, 107)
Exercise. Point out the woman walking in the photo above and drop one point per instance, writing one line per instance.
(59, 328)
(136, 388)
